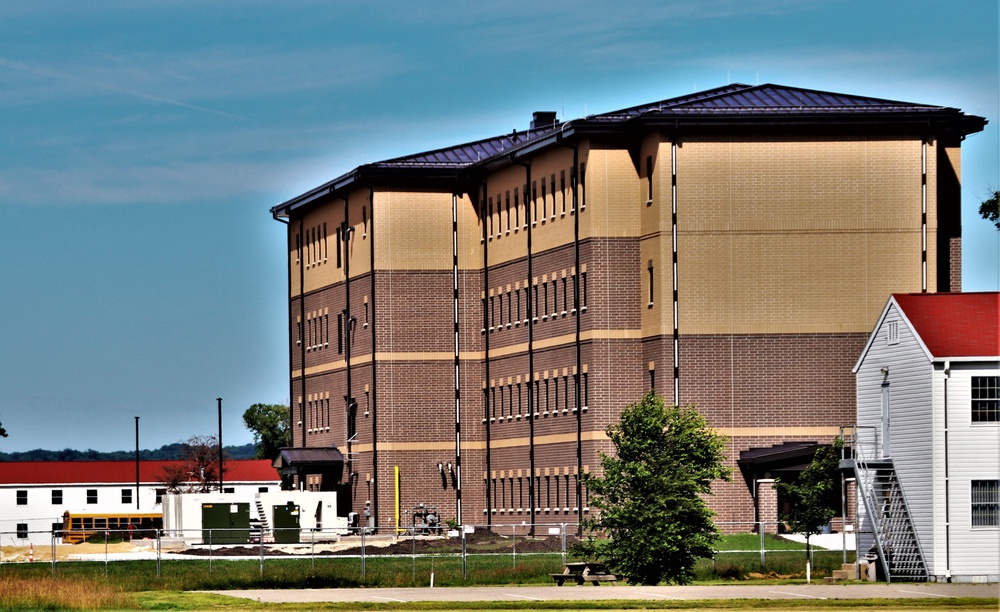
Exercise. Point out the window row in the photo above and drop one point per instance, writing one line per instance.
(551, 395)
(544, 200)
(56, 495)
(314, 248)
(317, 412)
(553, 493)
(985, 399)
(546, 298)
(315, 332)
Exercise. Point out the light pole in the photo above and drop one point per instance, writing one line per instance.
(219, 400)
(136, 463)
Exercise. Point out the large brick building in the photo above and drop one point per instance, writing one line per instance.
(465, 323)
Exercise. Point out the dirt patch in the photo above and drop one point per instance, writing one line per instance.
(22, 554)
(478, 542)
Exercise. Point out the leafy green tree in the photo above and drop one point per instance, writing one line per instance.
(990, 209)
(812, 496)
(3, 432)
(650, 493)
(270, 426)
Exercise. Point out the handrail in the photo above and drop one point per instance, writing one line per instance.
(853, 438)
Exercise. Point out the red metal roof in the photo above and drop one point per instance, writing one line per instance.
(954, 324)
(112, 472)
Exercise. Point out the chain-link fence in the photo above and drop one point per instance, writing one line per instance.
(386, 556)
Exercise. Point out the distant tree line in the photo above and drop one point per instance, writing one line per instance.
(167, 452)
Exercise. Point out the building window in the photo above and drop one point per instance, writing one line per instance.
(91, 496)
(985, 399)
(649, 270)
(57, 497)
(126, 496)
(159, 495)
(262, 489)
(22, 498)
(985, 503)
(229, 489)
(22, 531)
(649, 181)
(340, 333)
(340, 248)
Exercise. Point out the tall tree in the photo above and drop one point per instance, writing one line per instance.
(270, 426)
(990, 209)
(812, 496)
(199, 471)
(649, 496)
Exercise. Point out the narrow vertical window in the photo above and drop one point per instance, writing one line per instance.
(583, 291)
(323, 245)
(57, 497)
(583, 187)
(534, 200)
(22, 497)
(545, 203)
(340, 248)
(552, 188)
(510, 302)
(649, 271)
(508, 215)
(565, 293)
(364, 221)
(340, 332)
(493, 317)
(649, 181)
(586, 390)
(491, 217)
(562, 189)
(555, 297)
(545, 300)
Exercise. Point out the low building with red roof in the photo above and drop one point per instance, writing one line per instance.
(927, 444)
(35, 495)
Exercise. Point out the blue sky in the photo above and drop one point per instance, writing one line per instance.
(144, 142)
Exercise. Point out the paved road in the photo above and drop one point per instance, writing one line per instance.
(589, 592)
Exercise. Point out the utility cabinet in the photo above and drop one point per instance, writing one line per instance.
(225, 523)
(286, 523)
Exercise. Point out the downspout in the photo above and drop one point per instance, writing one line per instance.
(373, 398)
(291, 332)
(302, 340)
(458, 386)
(486, 353)
(578, 349)
(947, 480)
(349, 337)
(528, 210)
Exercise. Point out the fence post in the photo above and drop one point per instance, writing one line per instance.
(563, 529)
(763, 546)
(465, 560)
(158, 545)
(513, 544)
(363, 552)
(312, 551)
(261, 544)
(53, 555)
(413, 539)
(210, 552)
(107, 536)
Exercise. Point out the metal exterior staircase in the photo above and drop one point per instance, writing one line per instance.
(879, 489)
(262, 516)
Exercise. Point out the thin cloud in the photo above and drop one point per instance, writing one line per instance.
(92, 84)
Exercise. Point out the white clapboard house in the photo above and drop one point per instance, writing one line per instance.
(926, 447)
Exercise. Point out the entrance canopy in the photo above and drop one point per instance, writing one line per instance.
(302, 462)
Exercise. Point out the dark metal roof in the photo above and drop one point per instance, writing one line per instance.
(295, 457)
(460, 156)
(731, 105)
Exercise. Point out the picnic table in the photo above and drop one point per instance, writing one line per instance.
(586, 571)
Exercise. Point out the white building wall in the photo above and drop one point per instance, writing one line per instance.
(40, 513)
(973, 454)
(910, 374)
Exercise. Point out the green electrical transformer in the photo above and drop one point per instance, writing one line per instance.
(225, 523)
(286, 523)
